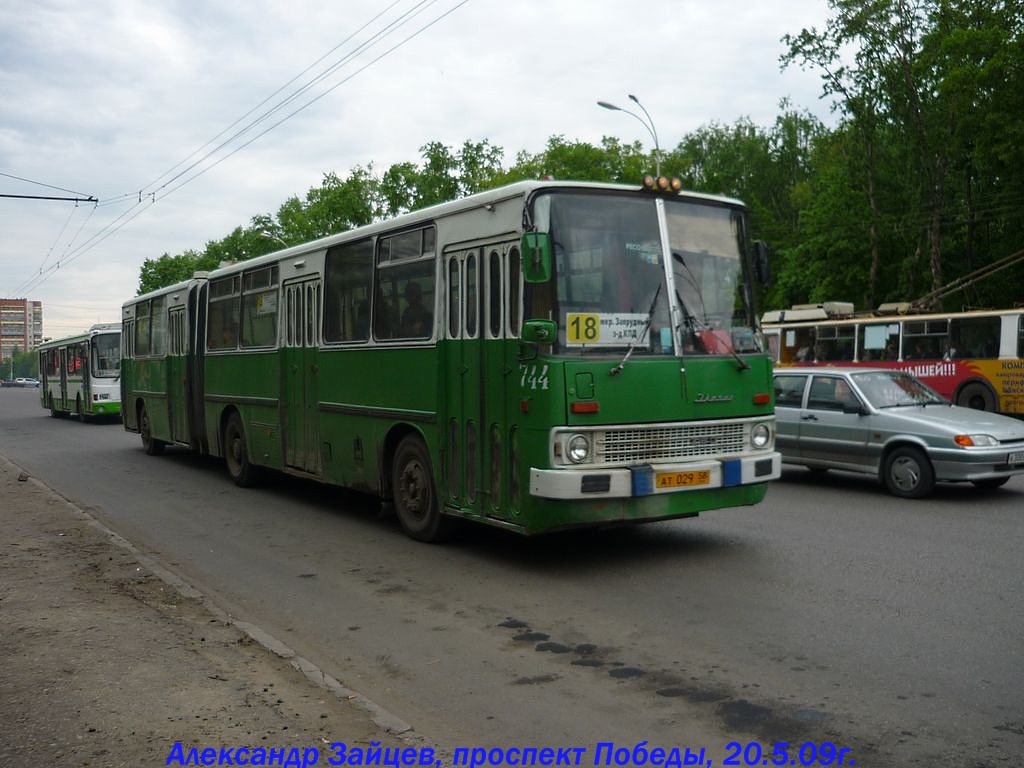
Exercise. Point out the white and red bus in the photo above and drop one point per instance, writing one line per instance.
(974, 359)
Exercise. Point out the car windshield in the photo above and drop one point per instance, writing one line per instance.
(893, 389)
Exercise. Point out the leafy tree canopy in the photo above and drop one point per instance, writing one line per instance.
(920, 181)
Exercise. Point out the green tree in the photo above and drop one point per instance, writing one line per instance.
(167, 270)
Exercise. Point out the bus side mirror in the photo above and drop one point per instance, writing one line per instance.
(536, 251)
(539, 331)
(762, 265)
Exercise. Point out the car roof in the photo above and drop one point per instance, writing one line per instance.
(833, 370)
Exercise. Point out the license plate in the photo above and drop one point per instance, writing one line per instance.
(682, 479)
(1015, 458)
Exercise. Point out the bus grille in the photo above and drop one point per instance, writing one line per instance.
(633, 446)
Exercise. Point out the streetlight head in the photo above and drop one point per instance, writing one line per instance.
(634, 98)
(606, 105)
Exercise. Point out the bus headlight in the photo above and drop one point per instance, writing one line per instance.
(760, 436)
(577, 449)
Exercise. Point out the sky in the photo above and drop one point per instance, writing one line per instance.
(110, 100)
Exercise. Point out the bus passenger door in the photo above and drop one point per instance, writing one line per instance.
(461, 390)
(300, 369)
(176, 376)
(477, 377)
(497, 366)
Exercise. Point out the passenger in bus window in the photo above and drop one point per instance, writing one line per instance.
(415, 318)
(891, 352)
(362, 322)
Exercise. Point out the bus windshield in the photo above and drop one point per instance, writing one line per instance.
(106, 358)
(615, 286)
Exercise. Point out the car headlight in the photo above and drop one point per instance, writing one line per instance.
(577, 449)
(760, 435)
(967, 441)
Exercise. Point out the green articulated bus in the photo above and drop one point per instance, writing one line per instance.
(542, 356)
(79, 374)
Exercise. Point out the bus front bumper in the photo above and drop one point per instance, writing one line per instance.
(654, 479)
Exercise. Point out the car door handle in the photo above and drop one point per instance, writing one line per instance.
(808, 417)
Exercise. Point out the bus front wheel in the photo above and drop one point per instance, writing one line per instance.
(150, 444)
(412, 484)
(236, 454)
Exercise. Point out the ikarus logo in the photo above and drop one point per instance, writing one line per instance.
(704, 397)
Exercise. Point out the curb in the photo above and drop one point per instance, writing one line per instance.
(381, 717)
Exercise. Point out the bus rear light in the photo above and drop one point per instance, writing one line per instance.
(590, 406)
(762, 398)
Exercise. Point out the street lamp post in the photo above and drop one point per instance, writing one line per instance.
(648, 124)
(272, 236)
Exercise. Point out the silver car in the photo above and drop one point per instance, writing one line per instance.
(890, 424)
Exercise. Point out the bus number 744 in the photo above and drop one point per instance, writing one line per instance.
(533, 376)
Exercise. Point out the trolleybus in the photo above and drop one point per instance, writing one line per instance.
(973, 359)
(541, 356)
(80, 375)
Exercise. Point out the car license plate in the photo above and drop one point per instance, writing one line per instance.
(682, 479)
(1016, 457)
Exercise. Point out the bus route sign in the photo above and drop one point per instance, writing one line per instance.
(594, 329)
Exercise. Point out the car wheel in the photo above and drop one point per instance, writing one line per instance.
(415, 499)
(991, 482)
(908, 473)
(978, 396)
(236, 455)
(150, 444)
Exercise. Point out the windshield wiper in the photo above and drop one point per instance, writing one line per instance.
(691, 320)
(632, 345)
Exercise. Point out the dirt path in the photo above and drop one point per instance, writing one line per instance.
(106, 660)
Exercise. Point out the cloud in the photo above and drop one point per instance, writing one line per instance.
(104, 97)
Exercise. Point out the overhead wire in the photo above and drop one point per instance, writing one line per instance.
(151, 196)
(268, 98)
(316, 98)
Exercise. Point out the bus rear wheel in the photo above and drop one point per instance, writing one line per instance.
(415, 499)
(150, 444)
(978, 396)
(236, 454)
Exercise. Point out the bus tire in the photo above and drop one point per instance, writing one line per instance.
(236, 454)
(415, 498)
(150, 444)
(976, 395)
(907, 473)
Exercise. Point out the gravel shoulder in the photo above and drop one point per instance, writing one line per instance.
(107, 660)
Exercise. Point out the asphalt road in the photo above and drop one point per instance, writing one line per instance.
(831, 612)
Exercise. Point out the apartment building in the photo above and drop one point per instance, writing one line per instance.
(21, 326)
